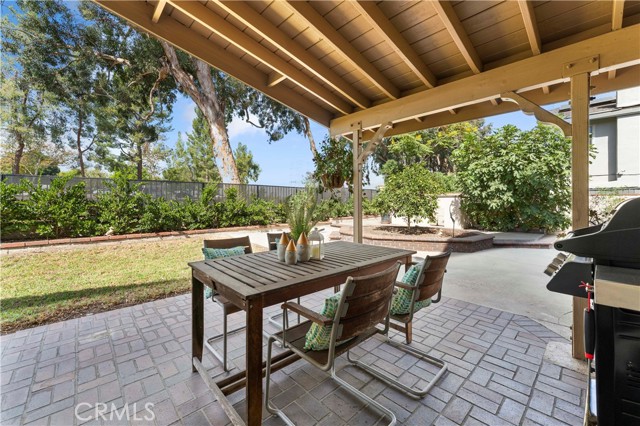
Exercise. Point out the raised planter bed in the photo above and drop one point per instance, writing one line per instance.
(471, 241)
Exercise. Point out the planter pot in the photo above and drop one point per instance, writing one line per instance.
(332, 181)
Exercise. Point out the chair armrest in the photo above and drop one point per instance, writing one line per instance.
(403, 285)
(307, 313)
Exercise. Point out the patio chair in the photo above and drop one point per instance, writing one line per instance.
(428, 284)
(228, 308)
(363, 304)
(272, 240)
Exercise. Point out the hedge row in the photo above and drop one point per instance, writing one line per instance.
(61, 210)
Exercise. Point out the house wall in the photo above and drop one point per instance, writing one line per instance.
(603, 168)
(628, 130)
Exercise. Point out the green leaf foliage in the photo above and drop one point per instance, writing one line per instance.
(411, 193)
(514, 179)
(301, 211)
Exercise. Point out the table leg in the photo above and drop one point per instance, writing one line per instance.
(197, 320)
(254, 363)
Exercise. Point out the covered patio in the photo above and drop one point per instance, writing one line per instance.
(366, 70)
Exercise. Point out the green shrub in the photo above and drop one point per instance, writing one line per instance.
(58, 210)
(13, 211)
(161, 215)
(122, 207)
(202, 213)
(515, 179)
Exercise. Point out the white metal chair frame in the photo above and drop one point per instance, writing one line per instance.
(348, 330)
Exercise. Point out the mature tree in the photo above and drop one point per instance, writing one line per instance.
(411, 193)
(516, 179)
(138, 86)
(220, 97)
(432, 148)
(248, 170)
(98, 69)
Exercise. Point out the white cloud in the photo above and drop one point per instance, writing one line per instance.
(240, 128)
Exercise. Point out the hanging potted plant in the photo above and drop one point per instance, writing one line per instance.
(334, 163)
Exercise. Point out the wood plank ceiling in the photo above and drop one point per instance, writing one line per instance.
(347, 62)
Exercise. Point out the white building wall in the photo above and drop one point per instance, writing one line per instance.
(628, 130)
(603, 167)
(628, 97)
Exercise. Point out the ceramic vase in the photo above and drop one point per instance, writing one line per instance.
(282, 246)
(304, 251)
(290, 255)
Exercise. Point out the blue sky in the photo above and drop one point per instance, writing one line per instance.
(287, 161)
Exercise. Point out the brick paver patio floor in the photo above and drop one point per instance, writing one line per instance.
(141, 354)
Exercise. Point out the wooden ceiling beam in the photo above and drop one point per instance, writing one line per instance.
(140, 15)
(158, 11)
(600, 83)
(385, 29)
(616, 49)
(228, 32)
(451, 21)
(530, 25)
(260, 25)
(330, 35)
(617, 15)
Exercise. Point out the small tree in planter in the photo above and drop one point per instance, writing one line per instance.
(411, 193)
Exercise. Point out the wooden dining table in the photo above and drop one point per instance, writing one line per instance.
(258, 280)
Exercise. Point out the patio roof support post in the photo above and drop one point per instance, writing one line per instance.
(580, 88)
(357, 183)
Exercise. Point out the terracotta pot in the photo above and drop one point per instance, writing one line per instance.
(332, 181)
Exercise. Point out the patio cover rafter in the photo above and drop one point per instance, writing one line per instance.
(372, 13)
(445, 11)
(225, 30)
(616, 50)
(342, 45)
(257, 23)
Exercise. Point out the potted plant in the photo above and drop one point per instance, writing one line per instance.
(334, 163)
(301, 209)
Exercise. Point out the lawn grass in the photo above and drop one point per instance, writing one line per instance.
(40, 288)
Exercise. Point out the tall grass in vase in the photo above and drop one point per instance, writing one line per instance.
(301, 211)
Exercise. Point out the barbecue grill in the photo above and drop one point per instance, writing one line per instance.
(602, 263)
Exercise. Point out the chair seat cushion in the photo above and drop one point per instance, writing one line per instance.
(318, 336)
(401, 302)
(215, 253)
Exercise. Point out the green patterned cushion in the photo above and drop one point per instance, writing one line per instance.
(401, 302)
(215, 253)
(317, 338)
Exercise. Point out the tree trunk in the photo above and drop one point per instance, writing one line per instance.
(307, 132)
(79, 145)
(206, 98)
(139, 159)
(17, 158)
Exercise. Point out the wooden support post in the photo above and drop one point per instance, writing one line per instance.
(579, 186)
(254, 363)
(357, 184)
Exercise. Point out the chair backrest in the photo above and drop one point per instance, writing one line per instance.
(230, 243)
(273, 238)
(365, 302)
(430, 280)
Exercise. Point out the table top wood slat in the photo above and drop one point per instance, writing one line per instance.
(261, 273)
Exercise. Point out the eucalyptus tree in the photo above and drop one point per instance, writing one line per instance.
(220, 97)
